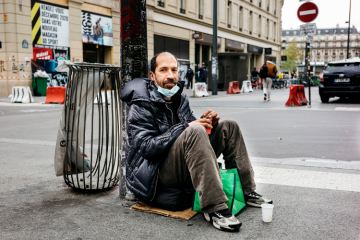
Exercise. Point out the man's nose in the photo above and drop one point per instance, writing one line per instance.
(170, 74)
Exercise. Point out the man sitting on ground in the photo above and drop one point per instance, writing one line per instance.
(168, 145)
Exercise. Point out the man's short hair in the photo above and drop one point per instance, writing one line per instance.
(153, 63)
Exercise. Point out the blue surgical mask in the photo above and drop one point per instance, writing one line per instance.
(166, 92)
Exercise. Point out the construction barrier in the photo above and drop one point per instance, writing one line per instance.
(21, 95)
(246, 86)
(199, 90)
(233, 88)
(102, 99)
(55, 95)
(297, 96)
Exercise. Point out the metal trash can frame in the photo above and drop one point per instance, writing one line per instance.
(92, 126)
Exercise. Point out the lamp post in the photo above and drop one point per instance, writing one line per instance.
(348, 40)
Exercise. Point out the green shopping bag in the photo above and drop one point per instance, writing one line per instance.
(233, 190)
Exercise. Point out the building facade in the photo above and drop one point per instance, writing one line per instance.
(330, 44)
(33, 33)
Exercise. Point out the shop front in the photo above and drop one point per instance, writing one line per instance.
(97, 34)
(203, 50)
(256, 56)
(234, 46)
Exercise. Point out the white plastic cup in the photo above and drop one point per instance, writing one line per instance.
(267, 212)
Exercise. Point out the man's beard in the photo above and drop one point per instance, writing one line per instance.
(165, 82)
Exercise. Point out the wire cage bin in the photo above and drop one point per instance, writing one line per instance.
(91, 126)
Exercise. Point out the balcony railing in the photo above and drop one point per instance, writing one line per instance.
(161, 4)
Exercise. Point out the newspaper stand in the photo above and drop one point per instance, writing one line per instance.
(92, 158)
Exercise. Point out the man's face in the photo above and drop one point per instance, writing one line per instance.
(203, 65)
(166, 71)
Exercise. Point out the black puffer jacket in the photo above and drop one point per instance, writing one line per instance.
(150, 133)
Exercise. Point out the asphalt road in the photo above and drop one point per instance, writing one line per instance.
(312, 175)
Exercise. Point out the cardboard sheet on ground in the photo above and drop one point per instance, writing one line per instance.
(143, 207)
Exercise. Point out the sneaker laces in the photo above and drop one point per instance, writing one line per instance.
(255, 194)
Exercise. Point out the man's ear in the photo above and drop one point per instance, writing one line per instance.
(152, 76)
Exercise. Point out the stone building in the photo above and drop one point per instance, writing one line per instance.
(330, 44)
(34, 31)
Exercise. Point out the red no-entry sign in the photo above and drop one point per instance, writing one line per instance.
(308, 12)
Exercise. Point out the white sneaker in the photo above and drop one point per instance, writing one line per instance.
(223, 220)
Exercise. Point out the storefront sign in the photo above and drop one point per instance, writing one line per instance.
(268, 51)
(96, 29)
(197, 35)
(234, 44)
(50, 24)
(254, 49)
(207, 38)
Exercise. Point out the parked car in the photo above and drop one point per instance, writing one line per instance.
(340, 79)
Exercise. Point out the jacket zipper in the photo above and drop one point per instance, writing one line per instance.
(179, 108)
(163, 122)
(172, 122)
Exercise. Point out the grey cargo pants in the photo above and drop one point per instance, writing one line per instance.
(193, 158)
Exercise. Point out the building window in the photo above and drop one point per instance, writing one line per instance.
(342, 44)
(287, 46)
(250, 22)
(326, 60)
(319, 32)
(287, 39)
(161, 3)
(200, 7)
(229, 14)
(319, 38)
(294, 32)
(275, 7)
(342, 37)
(302, 45)
(326, 52)
(268, 5)
(267, 29)
(341, 58)
(327, 38)
(275, 31)
(335, 31)
(287, 32)
(334, 52)
(259, 3)
(326, 31)
(259, 26)
(318, 45)
(334, 38)
(333, 59)
(326, 45)
(240, 18)
(294, 39)
(318, 59)
(342, 31)
(182, 6)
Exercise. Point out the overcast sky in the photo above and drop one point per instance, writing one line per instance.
(331, 12)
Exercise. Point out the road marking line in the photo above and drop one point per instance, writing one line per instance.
(310, 179)
(308, 12)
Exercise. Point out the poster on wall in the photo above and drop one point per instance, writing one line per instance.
(50, 30)
(50, 52)
(96, 29)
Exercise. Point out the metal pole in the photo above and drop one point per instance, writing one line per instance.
(347, 51)
(307, 64)
(214, 53)
(134, 64)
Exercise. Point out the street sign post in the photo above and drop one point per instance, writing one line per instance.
(309, 39)
(307, 12)
(308, 29)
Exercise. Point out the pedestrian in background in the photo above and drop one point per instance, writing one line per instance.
(254, 73)
(189, 76)
(268, 72)
(203, 72)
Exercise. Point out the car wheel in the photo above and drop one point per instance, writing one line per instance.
(324, 99)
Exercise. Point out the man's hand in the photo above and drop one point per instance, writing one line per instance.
(204, 122)
(211, 114)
